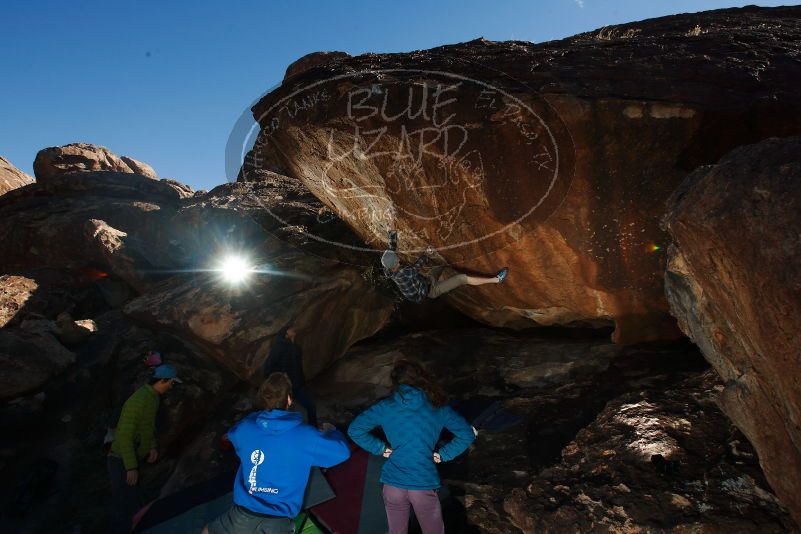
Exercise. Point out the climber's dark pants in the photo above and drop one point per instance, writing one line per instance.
(125, 500)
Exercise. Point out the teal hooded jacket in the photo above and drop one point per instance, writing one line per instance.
(412, 427)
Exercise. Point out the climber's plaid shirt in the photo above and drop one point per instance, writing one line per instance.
(412, 285)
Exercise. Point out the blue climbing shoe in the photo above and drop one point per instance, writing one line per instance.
(501, 276)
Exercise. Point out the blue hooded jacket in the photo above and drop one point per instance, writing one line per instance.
(277, 452)
(412, 426)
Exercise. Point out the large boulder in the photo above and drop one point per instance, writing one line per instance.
(84, 157)
(28, 360)
(332, 307)
(160, 240)
(77, 221)
(330, 303)
(656, 460)
(554, 159)
(58, 296)
(11, 177)
(732, 282)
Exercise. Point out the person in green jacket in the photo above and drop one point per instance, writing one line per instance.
(135, 441)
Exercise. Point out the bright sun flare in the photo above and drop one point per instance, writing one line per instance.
(235, 269)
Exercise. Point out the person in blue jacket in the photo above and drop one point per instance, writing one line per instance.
(277, 452)
(412, 419)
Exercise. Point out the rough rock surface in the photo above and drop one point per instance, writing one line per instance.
(332, 304)
(11, 177)
(332, 307)
(312, 60)
(84, 157)
(554, 159)
(28, 360)
(156, 239)
(732, 281)
(15, 291)
(50, 224)
(653, 461)
(285, 208)
(594, 414)
(477, 360)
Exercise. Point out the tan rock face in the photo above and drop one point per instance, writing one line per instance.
(732, 282)
(84, 157)
(534, 156)
(11, 177)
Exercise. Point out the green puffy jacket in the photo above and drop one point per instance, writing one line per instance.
(136, 427)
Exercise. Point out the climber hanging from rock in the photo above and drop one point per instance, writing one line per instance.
(415, 286)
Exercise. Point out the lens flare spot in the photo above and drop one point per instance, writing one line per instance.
(235, 269)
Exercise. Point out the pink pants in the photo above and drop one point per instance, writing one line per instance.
(426, 509)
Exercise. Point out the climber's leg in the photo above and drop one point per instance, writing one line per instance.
(440, 288)
(436, 272)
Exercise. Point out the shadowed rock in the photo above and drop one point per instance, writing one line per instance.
(330, 303)
(28, 360)
(331, 306)
(658, 460)
(477, 360)
(162, 242)
(732, 282)
(612, 439)
(58, 224)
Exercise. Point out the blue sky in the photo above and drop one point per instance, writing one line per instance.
(165, 81)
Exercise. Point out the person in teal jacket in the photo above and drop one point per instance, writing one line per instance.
(412, 419)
